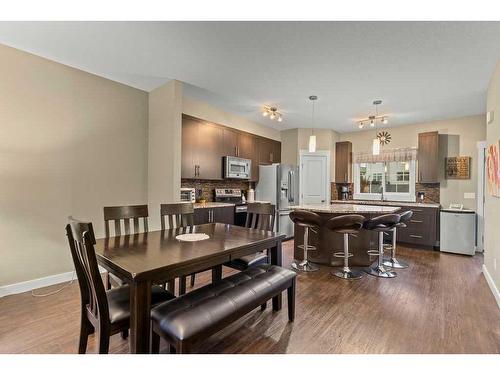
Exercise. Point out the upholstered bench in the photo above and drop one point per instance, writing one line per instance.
(195, 316)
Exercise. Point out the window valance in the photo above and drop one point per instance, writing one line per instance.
(398, 154)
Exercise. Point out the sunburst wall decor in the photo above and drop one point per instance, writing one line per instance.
(384, 138)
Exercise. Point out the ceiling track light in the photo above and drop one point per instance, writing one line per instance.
(273, 113)
(372, 120)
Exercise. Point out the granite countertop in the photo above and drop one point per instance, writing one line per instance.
(347, 208)
(212, 205)
(389, 203)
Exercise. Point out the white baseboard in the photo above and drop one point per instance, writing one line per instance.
(491, 284)
(26, 286)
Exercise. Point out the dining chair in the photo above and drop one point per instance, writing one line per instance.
(123, 216)
(173, 216)
(106, 312)
(259, 216)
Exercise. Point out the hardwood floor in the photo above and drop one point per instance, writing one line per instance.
(441, 304)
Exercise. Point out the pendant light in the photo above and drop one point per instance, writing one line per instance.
(376, 147)
(312, 137)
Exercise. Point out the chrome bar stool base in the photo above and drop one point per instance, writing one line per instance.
(304, 266)
(348, 274)
(394, 263)
(380, 271)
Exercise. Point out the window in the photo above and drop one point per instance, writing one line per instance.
(392, 180)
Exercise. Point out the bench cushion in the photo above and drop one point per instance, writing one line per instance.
(203, 309)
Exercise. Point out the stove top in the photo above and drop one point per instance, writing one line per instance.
(228, 195)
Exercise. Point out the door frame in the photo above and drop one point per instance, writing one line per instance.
(480, 196)
(325, 153)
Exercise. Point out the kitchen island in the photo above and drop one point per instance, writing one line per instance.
(328, 242)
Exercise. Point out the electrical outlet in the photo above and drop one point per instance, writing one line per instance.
(469, 195)
(495, 264)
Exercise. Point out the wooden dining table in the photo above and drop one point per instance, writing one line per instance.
(154, 257)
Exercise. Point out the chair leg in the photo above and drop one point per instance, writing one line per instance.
(124, 334)
(170, 286)
(84, 334)
(103, 334)
(216, 273)
(263, 306)
(155, 343)
(192, 279)
(108, 281)
(291, 301)
(182, 285)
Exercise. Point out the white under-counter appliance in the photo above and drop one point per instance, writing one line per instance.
(237, 168)
(188, 195)
(458, 230)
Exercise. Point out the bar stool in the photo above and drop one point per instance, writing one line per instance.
(308, 220)
(381, 224)
(392, 261)
(346, 225)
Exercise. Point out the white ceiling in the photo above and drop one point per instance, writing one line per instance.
(422, 71)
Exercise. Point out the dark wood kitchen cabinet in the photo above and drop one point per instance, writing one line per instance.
(204, 144)
(422, 228)
(428, 161)
(269, 151)
(343, 162)
(206, 215)
(202, 149)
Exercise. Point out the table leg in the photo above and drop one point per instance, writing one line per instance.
(217, 273)
(140, 311)
(277, 259)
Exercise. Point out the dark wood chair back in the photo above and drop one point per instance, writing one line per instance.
(176, 215)
(125, 214)
(81, 243)
(261, 216)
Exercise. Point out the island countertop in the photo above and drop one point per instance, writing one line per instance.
(346, 208)
(388, 203)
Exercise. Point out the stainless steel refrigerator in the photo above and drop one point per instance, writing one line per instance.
(279, 184)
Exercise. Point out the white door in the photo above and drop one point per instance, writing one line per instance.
(315, 177)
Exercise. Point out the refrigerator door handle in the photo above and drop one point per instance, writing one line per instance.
(290, 186)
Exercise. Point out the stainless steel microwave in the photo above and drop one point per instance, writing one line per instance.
(237, 168)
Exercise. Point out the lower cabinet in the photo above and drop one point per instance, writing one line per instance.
(422, 229)
(207, 215)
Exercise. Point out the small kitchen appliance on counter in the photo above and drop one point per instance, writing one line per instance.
(188, 195)
(458, 230)
(344, 192)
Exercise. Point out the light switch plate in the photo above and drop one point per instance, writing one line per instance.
(490, 116)
(469, 195)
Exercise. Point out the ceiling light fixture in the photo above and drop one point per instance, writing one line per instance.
(373, 119)
(273, 113)
(312, 137)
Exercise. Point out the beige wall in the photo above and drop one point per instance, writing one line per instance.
(457, 137)
(70, 143)
(294, 140)
(164, 152)
(207, 112)
(492, 204)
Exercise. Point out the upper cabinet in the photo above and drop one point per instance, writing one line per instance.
(204, 144)
(428, 162)
(202, 147)
(343, 162)
(269, 151)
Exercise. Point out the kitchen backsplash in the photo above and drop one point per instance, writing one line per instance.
(208, 186)
(431, 191)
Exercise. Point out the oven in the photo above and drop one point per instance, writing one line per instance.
(240, 214)
(237, 168)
